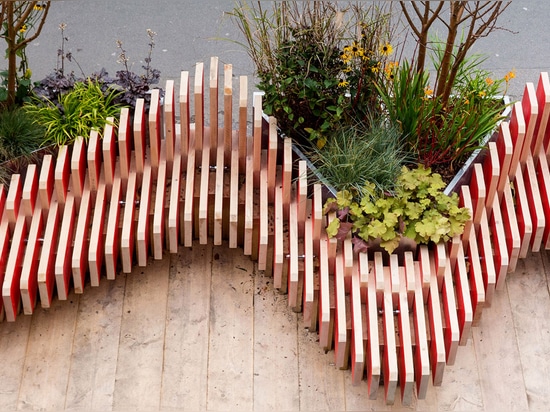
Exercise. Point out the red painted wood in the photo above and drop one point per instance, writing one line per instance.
(154, 129)
(62, 175)
(325, 337)
(96, 252)
(46, 184)
(159, 207)
(11, 294)
(29, 271)
(64, 248)
(405, 360)
(80, 249)
(523, 216)
(112, 232)
(486, 259)
(184, 114)
(357, 342)
(78, 169)
(452, 328)
(13, 201)
(374, 366)
(109, 153)
(530, 113)
(169, 121)
(437, 341)
(140, 131)
(128, 232)
(500, 248)
(340, 324)
(46, 267)
(463, 297)
(142, 235)
(505, 148)
(491, 175)
(543, 102)
(124, 144)
(543, 176)
(422, 350)
(95, 159)
(517, 134)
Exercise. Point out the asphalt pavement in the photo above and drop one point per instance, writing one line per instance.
(190, 31)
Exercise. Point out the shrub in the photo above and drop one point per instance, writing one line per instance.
(19, 134)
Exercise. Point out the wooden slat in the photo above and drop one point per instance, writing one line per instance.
(243, 107)
(405, 360)
(272, 158)
(219, 191)
(142, 234)
(234, 195)
(80, 249)
(452, 328)
(29, 272)
(227, 111)
(11, 294)
(204, 198)
(154, 130)
(486, 259)
(530, 113)
(175, 204)
(302, 196)
(374, 367)
(96, 252)
(159, 206)
(64, 248)
(109, 153)
(525, 223)
(214, 129)
(257, 136)
(249, 199)
(124, 145)
(140, 132)
(324, 294)
(188, 210)
(543, 176)
(437, 341)
(517, 134)
(390, 367)
(169, 121)
(309, 299)
(425, 269)
(422, 353)
(511, 229)
(293, 276)
(478, 192)
(29, 193)
(500, 242)
(78, 169)
(184, 114)
(357, 342)
(112, 231)
(46, 184)
(543, 102)
(62, 174)
(534, 201)
(477, 287)
(505, 148)
(287, 175)
(410, 277)
(341, 344)
(491, 175)
(13, 201)
(46, 268)
(128, 231)
(95, 158)
(464, 303)
(198, 90)
(264, 221)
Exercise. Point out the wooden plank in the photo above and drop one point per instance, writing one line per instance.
(425, 269)
(422, 351)
(278, 247)
(175, 204)
(525, 223)
(138, 385)
(272, 158)
(227, 111)
(13, 201)
(78, 169)
(96, 251)
(95, 158)
(11, 293)
(341, 344)
(184, 114)
(29, 193)
(437, 340)
(46, 184)
(477, 287)
(410, 277)
(543, 102)
(169, 121)
(204, 198)
(243, 107)
(390, 368)
(287, 176)
(219, 210)
(511, 229)
(142, 233)
(5, 239)
(452, 327)
(465, 200)
(188, 210)
(309, 301)
(264, 221)
(530, 113)
(198, 90)
(64, 248)
(325, 337)
(534, 201)
(486, 259)
(405, 360)
(478, 191)
(249, 200)
(214, 128)
(128, 230)
(109, 153)
(82, 231)
(302, 196)
(491, 175)
(500, 249)
(62, 175)
(543, 175)
(234, 196)
(374, 367)
(257, 136)
(140, 132)
(293, 276)
(505, 149)
(46, 268)
(159, 206)
(155, 131)
(185, 377)
(357, 342)
(439, 261)
(517, 134)
(112, 231)
(464, 303)
(124, 144)
(230, 384)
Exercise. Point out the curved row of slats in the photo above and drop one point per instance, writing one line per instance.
(150, 185)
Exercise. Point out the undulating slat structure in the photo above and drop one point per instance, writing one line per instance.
(148, 184)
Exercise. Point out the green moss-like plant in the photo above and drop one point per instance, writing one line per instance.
(418, 210)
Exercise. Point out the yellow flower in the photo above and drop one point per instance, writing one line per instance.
(23, 28)
(428, 92)
(38, 7)
(343, 83)
(376, 68)
(489, 81)
(386, 49)
(510, 75)
(466, 101)
(482, 93)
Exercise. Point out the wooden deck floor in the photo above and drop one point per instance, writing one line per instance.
(201, 330)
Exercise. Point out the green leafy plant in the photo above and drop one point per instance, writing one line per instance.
(418, 210)
(316, 62)
(359, 153)
(80, 110)
(19, 135)
(442, 135)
